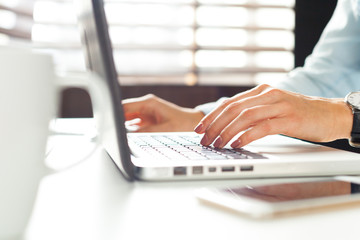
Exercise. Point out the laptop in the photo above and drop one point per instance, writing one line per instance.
(178, 155)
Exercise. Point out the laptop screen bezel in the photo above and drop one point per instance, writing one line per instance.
(99, 59)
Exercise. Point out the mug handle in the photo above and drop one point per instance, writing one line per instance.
(97, 89)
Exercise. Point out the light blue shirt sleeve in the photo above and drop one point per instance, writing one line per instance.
(333, 69)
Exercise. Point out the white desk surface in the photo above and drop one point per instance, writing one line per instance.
(93, 201)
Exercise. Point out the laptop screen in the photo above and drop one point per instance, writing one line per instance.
(99, 59)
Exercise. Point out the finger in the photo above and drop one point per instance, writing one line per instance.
(136, 121)
(132, 106)
(248, 118)
(221, 121)
(132, 115)
(208, 119)
(260, 130)
(144, 121)
(137, 105)
(242, 107)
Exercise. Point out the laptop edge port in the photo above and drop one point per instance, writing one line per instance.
(197, 170)
(247, 168)
(179, 171)
(228, 169)
(212, 169)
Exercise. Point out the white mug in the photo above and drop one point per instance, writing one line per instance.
(29, 90)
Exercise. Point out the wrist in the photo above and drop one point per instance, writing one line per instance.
(192, 118)
(197, 115)
(339, 120)
(346, 118)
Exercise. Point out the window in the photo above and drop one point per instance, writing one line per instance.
(205, 42)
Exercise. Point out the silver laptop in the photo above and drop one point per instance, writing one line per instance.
(179, 156)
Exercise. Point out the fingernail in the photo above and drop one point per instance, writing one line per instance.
(198, 128)
(236, 144)
(218, 142)
(204, 140)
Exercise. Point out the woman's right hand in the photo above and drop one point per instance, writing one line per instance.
(153, 114)
(265, 110)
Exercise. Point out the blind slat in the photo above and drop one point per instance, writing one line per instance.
(198, 4)
(17, 33)
(171, 26)
(19, 11)
(163, 47)
(207, 71)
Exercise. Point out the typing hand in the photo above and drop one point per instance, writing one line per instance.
(153, 114)
(264, 111)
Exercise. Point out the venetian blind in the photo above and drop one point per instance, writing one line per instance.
(220, 42)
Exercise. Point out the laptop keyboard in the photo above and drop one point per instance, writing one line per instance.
(187, 147)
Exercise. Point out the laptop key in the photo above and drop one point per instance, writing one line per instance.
(164, 140)
(169, 152)
(153, 152)
(184, 147)
(180, 149)
(194, 156)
